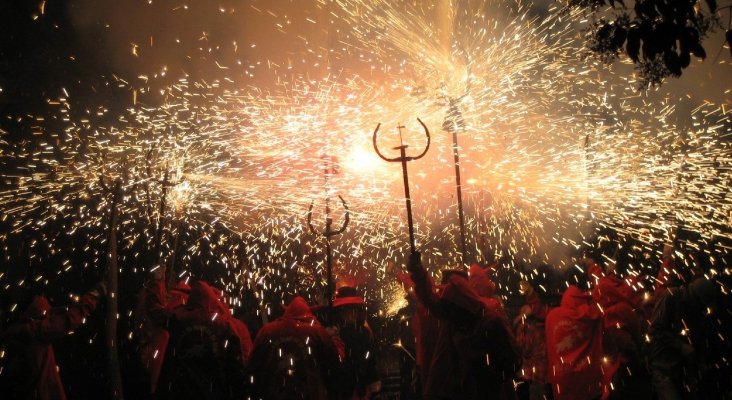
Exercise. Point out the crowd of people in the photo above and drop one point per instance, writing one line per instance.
(608, 338)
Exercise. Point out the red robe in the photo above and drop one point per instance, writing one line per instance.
(574, 347)
(294, 357)
(206, 319)
(620, 304)
(31, 372)
(424, 328)
(475, 352)
(531, 339)
(152, 337)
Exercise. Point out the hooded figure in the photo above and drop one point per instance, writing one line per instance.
(294, 358)
(424, 330)
(30, 370)
(678, 339)
(531, 339)
(151, 336)
(574, 347)
(484, 287)
(475, 352)
(207, 350)
(360, 376)
(621, 306)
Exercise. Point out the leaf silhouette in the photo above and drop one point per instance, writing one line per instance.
(633, 45)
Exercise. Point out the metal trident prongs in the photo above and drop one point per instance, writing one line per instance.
(403, 158)
(327, 234)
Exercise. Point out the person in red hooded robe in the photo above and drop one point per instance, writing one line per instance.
(531, 338)
(678, 351)
(424, 330)
(153, 338)
(207, 350)
(360, 374)
(475, 352)
(30, 370)
(294, 358)
(574, 347)
(484, 287)
(620, 301)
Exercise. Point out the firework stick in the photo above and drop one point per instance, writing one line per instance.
(452, 124)
(161, 217)
(403, 158)
(172, 257)
(327, 234)
(113, 369)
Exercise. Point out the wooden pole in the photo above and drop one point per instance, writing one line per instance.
(113, 369)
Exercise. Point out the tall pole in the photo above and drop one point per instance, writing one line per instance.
(454, 121)
(113, 369)
(161, 218)
(407, 197)
(328, 169)
(458, 188)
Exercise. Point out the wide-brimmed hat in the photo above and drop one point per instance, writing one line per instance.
(348, 296)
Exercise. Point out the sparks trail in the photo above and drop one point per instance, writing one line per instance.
(248, 161)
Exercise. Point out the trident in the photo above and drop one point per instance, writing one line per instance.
(327, 234)
(403, 159)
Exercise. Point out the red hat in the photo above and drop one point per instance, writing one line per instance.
(346, 296)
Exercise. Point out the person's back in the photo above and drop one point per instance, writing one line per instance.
(621, 302)
(360, 376)
(152, 335)
(678, 337)
(531, 339)
(204, 356)
(293, 358)
(574, 347)
(30, 370)
(475, 352)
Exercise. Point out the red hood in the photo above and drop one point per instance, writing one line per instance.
(205, 297)
(179, 294)
(612, 290)
(298, 309)
(579, 304)
(459, 292)
(480, 282)
(37, 308)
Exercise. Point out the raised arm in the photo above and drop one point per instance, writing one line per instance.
(423, 286)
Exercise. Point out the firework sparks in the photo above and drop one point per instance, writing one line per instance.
(549, 144)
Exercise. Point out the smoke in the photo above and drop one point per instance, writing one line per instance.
(199, 39)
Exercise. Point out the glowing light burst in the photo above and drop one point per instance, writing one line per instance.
(548, 145)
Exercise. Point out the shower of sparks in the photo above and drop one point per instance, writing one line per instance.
(550, 149)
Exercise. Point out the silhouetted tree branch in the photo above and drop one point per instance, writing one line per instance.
(659, 36)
